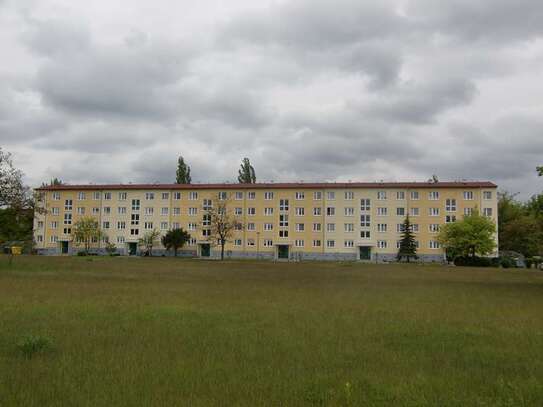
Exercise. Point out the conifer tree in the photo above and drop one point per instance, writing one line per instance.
(408, 246)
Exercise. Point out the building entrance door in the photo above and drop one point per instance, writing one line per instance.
(365, 252)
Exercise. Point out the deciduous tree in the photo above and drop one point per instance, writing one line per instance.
(182, 175)
(86, 231)
(222, 223)
(175, 239)
(148, 240)
(246, 174)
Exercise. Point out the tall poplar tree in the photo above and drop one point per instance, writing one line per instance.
(182, 175)
(246, 174)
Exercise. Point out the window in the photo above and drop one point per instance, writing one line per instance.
(433, 228)
(382, 244)
(165, 195)
(414, 211)
(107, 196)
(382, 227)
(317, 195)
(300, 211)
(283, 233)
(268, 243)
(331, 195)
(149, 196)
(400, 228)
(135, 204)
(176, 211)
(207, 205)
(365, 205)
(135, 219)
(149, 211)
(238, 211)
(433, 195)
(206, 220)
(433, 211)
(237, 242)
(364, 234)
(349, 211)
(382, 212)
(206, 232)
(450, 218)
(67, 218)
(364, 220)
(121, 225)
(53, 239)
(55, 211)
(299, 243)
(54, 224)
(251, 195)
(468, 195)
(268, 196)
(268, 226)
(251, 226)
(433, 244)
(68, 205)
(251, 211)
(164, 225)
(176, 225)
(96, 196)
(468, 211)
(415, 195)
(317, 227)
(349, 227)
(39, 238)
(317, 211)
(81, 196)
(177, 196)
(349, 195)
(56, 196)
(107, 210)
(331, 227)
(487, 195)
(283, 204)
(450, 205)
(330, 243)
(238, 196)
(381, 195)
(400, 211)
(223, 196)
(134, 232)
(193, 211)
(398, 244)
(191, 226)
(81, 211)
(400, 195)
(238, 226)
(40, 224)
(192, 241)
(120, 239)
(487, 212)
(283, 221)
(250, 242)
(121, 210)
(330, 211)
(415, 227)
(349, 243)
(316, 243)
(300, 227)
(123, 196)
(193, 196)
(299, 196)
(164, 211)
(148, 225)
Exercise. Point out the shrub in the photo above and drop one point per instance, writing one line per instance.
(81, 253)
(32, 344)
(508, 262)
(476, 261)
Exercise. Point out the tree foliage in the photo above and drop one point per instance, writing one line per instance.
(86, 231)
(222, 223)
(53, 182)
(148, 240)
(13, 192)
(246, 174)
(182, 175)
(408, 245)
(175, 239)
(472, 236)
(540, 170)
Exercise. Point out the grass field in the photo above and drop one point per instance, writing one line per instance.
(172, 332)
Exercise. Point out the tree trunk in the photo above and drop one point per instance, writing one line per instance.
(175, 251)
(222, 249)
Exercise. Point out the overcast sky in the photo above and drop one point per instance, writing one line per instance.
(114, 91)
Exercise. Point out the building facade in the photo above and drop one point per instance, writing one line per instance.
(296, 221)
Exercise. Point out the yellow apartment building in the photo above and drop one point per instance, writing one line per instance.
(296, 221)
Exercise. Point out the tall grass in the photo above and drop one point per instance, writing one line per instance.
(174, 332)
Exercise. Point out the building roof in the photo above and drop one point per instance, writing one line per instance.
(274, 185)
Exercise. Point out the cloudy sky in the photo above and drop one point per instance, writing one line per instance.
(114, 91)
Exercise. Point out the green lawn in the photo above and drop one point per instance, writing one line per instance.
(172, 332)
